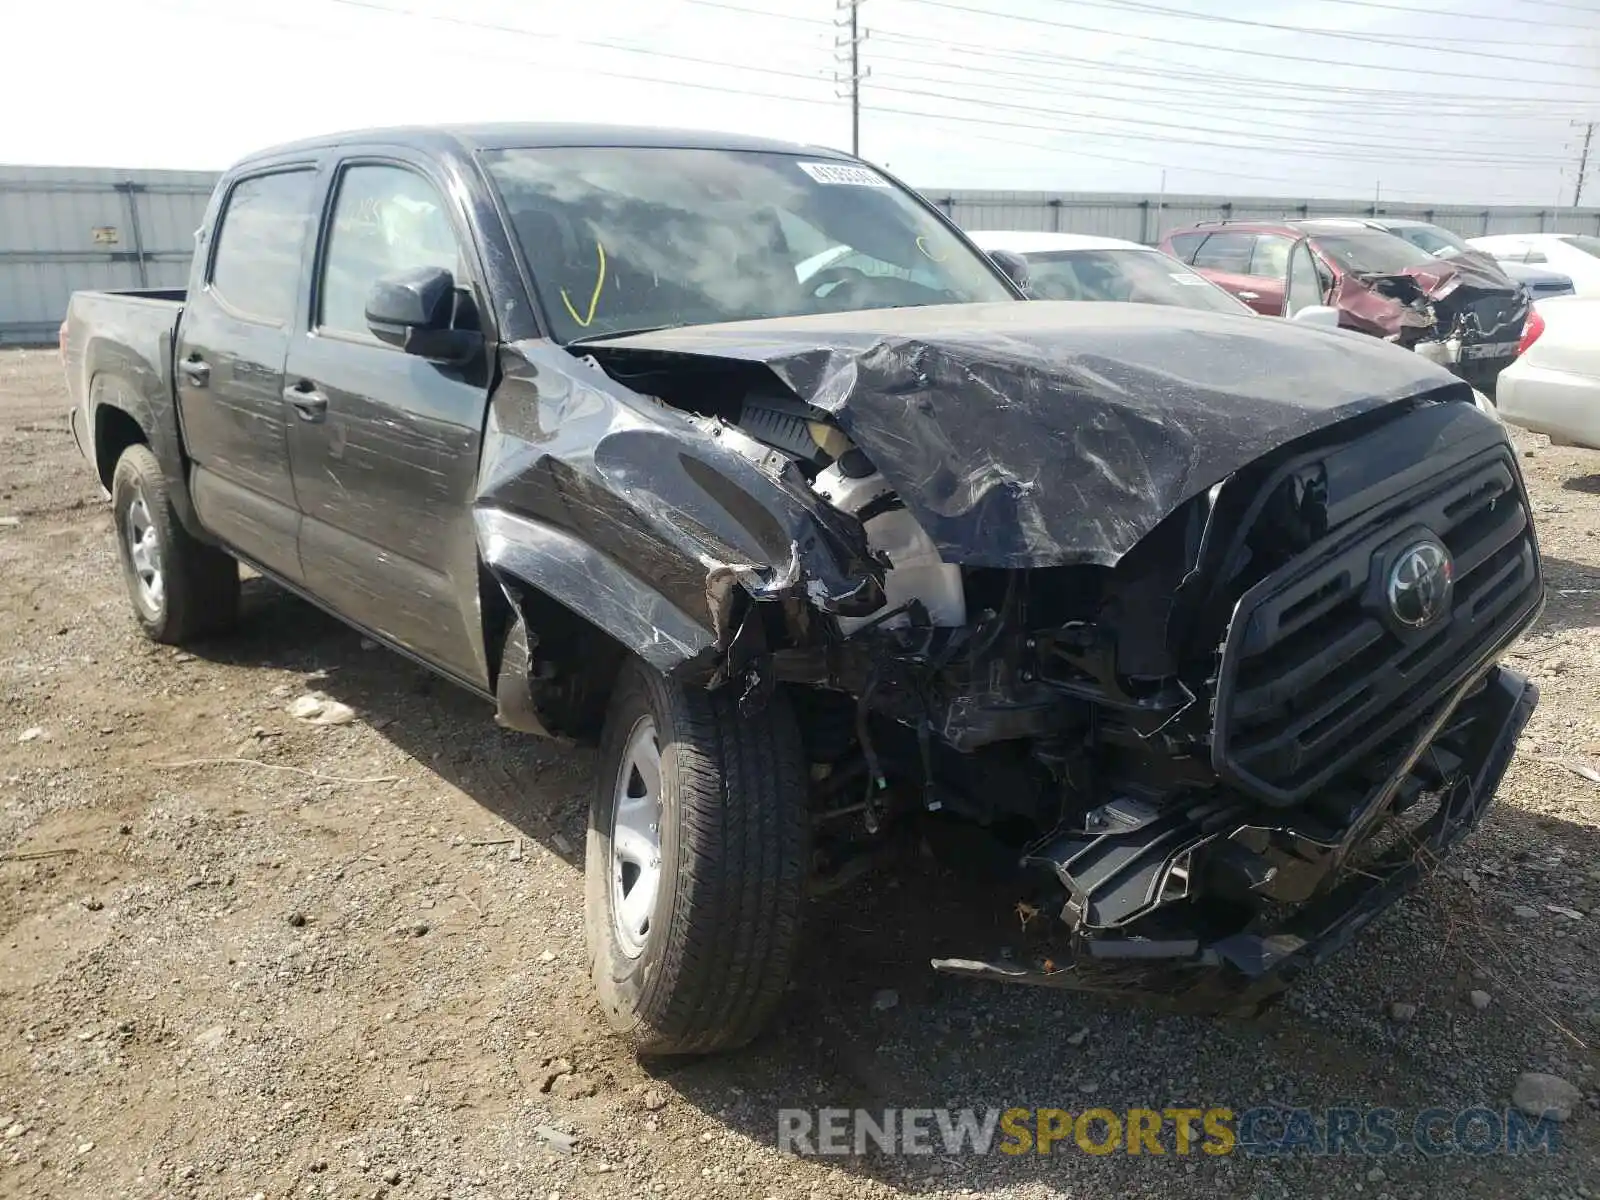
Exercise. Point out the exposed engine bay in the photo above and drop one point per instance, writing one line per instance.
(1178, 660)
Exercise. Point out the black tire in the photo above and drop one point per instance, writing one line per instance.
(199, 592)
(734, 833)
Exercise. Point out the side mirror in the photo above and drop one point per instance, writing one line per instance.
(1318, 314)
(413, 311)
(1013, 265)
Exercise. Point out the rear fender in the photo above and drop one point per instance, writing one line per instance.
(112, 393)
(120, 380)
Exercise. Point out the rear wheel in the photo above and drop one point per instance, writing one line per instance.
(180, 587)
(695, 864)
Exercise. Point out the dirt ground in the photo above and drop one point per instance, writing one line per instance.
(354, 965)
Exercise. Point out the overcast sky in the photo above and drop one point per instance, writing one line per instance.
(1424, 100)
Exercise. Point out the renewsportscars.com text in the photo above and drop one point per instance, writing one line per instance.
(1262, 1131)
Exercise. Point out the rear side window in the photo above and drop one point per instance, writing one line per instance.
(1185, 244)
(256, 266)
(1226, 252)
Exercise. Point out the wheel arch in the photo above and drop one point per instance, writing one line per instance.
(123, 413)
(559, 620)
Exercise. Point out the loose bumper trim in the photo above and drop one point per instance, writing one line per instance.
(1243, 971)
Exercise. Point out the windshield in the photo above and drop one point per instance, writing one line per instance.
(1582, 241)
(1137, 276)
(622, 238)
(1439, 242)
(1370, 253)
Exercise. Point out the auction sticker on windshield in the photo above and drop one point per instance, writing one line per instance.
(847, 173)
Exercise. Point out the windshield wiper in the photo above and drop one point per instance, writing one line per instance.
(616, 333)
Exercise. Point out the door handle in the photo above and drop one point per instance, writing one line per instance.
(1248, 295)
(196, 370)
(311, 404)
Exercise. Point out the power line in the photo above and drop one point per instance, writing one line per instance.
(1140, 162)
(1180, 167)
(1091, 136)
(586, 70)
(1461, 16)
(1167, 139)
(621, 47)
(1323, 62)
(1222, 101)
(1324, 148)
(1341, 35)
(984, 50)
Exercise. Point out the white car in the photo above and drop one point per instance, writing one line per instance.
(1554, 386)
(1079, 266)
(1576, 255)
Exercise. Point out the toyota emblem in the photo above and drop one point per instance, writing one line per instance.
(1420, 583)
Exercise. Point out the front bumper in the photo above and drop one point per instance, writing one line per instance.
(1241, 971)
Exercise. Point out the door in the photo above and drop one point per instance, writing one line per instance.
(384, 444)
(1304, 288)
(1269, 273)
(232, 341)
(1225, 259)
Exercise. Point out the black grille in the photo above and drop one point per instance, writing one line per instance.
(1317, 674)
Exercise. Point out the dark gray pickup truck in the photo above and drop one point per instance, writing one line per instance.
(738, 458)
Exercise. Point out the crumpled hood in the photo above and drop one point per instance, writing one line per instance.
(1388, 304)
(1032, 434)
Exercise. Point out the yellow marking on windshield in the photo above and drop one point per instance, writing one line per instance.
(594, 300)
(922, 245)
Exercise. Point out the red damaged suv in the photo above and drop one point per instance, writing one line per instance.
(1462, 313)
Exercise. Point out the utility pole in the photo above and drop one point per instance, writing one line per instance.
(1583, 163)
(848, 53)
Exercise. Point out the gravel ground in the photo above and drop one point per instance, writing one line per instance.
(354, 966)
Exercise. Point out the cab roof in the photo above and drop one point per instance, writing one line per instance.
(468, 139)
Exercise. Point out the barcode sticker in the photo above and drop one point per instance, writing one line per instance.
(845, 173)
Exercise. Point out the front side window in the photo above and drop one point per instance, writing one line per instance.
(386, 220)
(255, 269)
(1135, 276)
(627, 238)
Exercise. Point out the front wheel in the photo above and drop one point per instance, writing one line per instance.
(695, 864)
(180, 587)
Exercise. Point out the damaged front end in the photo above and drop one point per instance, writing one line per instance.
(1465, 316)
(1197, 634)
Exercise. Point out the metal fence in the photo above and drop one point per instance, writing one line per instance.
(68, 228)
(1145, 218)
